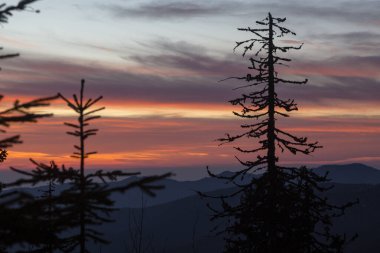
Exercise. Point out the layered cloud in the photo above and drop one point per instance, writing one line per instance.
(160, 82)
(350, 81)
(364, 12)
(166, 10)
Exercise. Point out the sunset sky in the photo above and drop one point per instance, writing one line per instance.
(158, 63)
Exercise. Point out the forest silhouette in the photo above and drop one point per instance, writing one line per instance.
(279, 209)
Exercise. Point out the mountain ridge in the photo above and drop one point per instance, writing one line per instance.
(354, 173)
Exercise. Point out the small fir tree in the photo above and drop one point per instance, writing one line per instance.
(86, 204)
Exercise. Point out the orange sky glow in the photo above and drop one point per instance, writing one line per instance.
(165, 106)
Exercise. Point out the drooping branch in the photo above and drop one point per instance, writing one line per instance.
(6, 11)
(21, 113)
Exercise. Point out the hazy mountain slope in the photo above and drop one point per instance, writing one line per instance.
(177, 220)
(169, 227)
(174, 190)
(354, 173)
(166, 227)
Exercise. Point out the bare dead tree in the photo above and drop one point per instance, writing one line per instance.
(268, 217)
(136, 228)
(194, 239)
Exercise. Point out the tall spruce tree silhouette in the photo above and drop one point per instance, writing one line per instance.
(86, 204)
(279, 211)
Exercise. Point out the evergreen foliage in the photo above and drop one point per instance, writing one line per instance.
(14, 227)
(86, 204)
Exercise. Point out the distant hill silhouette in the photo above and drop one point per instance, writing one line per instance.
(173, 190)
(177, 214)
(355, 173)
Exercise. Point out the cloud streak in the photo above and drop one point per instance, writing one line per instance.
(365, 13)
(166, 10)
(189, 58)
(353, 79)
